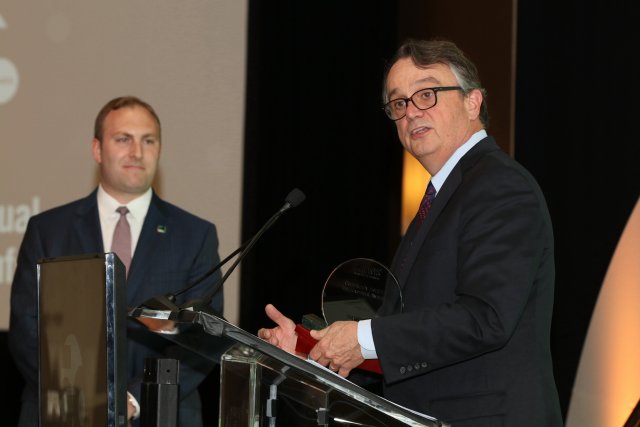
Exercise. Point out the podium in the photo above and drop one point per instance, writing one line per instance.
(262, 385)
(82, 346)
(82, 341)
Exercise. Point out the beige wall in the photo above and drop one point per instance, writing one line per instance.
(61, 61)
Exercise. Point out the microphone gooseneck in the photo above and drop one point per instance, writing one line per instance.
(293, 199)
(168, 301)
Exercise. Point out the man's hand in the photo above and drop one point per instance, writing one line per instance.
(159, 325)
(338, 347)
(132, 409)
(284, 335)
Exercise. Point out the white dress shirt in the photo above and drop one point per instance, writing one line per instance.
(138, 209)
(107, 206)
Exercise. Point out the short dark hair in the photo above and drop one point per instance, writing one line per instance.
(428, 52)
(116, 104)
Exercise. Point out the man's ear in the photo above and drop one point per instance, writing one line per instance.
(96, 150)
(473, 103)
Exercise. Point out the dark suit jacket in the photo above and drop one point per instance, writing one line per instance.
(163, 262)
(471, 346)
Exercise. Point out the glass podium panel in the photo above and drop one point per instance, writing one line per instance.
(262, 385)
(82, 341)
(258, 390)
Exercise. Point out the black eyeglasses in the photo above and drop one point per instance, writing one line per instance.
(422, 99)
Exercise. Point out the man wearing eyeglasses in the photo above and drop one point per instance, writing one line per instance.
(469, 344)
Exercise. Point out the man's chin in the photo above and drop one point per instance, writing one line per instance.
(135, 189)
(139, 190)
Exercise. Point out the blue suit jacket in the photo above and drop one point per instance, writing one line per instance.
(173, 249)
(471, 346)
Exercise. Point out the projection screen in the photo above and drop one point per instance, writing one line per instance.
(61, 61)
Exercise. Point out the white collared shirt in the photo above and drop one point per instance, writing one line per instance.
(365, 336)
(107, 206)
(138, 209)
(438, 179)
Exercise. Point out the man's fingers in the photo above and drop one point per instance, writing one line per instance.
(279, 318)
(343, 372)
(318, 334)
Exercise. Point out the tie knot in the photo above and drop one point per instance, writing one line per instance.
(122, 210)
(431, 191)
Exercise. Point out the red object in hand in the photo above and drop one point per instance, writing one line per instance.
(306, 342)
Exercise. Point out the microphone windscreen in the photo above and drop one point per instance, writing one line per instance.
(295, 197)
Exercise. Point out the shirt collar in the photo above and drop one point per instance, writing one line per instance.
(138, 207)
(438, 179)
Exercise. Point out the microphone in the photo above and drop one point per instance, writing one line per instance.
(168, 301)
(293, 199)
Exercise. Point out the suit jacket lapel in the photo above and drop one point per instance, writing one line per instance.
(419, 235)
(449, 187)
(87, 225)
(150, 240)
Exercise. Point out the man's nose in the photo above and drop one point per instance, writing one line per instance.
(412, 110)
(135, 150)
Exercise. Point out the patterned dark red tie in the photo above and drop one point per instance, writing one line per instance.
(425, 204)
(423, 210)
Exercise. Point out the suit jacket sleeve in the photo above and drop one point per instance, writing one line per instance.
(23, 330)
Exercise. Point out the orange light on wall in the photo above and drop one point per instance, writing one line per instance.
(414, 184)
(607, 385)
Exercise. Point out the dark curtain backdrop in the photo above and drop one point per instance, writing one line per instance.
(313, 121)
(575, 111)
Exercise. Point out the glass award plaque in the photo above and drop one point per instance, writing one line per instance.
(356, 289)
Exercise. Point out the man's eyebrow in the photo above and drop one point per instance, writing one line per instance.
(122, 133)
(390, 94)
(144, 135)
(424, 80)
